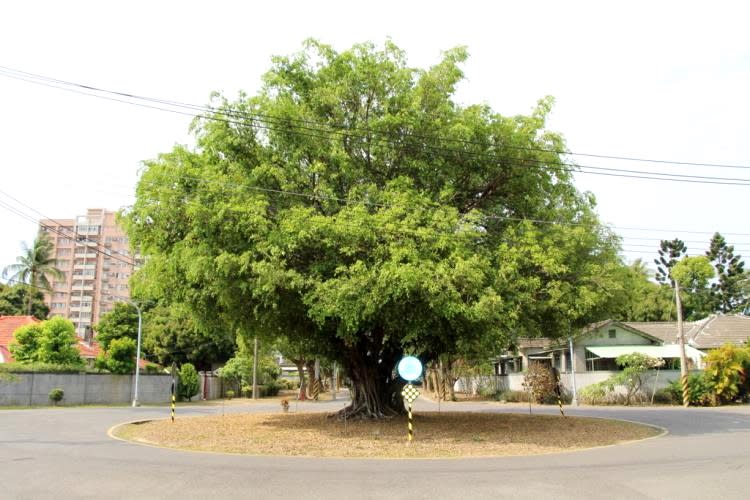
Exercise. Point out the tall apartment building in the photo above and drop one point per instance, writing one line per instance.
(94, 254)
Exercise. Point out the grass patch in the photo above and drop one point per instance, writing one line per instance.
(443, 435)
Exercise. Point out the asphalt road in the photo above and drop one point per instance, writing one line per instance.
(66, 453)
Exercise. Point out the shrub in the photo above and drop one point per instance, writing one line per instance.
(247, 391)
(287, 384)
(272, 388)
(596, 394)
(514, 396)
(699, 390)
(541, 382)
(153, 369)
(634, 366)
(189, 382)
(727, 371)
(229, 394)
(56, 395)
(664, 396)
(488, 391)
(43, 368)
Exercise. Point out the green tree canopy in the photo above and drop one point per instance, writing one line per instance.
(670, 253)
(119, 357)
(640, 299)
(727, 293)
(33, 266)
(120, 322)
(172, 334)
(25, 345)
(52, 341)
(354, 204)
(14, 301)
(693, 275)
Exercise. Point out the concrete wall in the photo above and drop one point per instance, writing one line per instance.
(27, 389)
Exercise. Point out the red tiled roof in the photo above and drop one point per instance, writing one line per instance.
(5, 356)
(9, 324)
(88, 350)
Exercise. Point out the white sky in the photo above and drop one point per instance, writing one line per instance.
(665, 80)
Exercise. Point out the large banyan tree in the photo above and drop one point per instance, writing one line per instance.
(354, 207)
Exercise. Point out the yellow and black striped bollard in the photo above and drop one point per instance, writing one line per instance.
(316, 389)
(173, 400)
(558, 392)
(410, 394)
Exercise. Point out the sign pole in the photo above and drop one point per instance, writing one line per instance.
(410, 369)
(173, 392)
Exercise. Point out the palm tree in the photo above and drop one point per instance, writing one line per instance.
(33, 266)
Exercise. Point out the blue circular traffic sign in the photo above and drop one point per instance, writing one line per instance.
(409, 368)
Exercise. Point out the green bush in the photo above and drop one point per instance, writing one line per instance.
(189, 382)
(598, 394)
(514, 396)
(287, 384)
(229, 394)
(488, 391)
(43, 368)
(664, 396)
(247, 391)
(153, 369)
(726, 371)
(699, 390)
(56, 395)
(271, 389)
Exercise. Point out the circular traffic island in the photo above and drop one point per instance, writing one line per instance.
(436, 435)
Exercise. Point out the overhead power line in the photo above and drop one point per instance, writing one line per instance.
(267, 122)
(132, 262)
(19, 74)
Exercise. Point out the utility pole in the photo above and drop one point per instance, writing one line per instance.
(334, 382)
(137, 353)
(255, 368)
(683, 356)
(573, 371)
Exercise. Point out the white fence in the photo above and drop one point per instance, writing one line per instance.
(653, 380)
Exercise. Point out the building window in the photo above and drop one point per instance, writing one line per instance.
(613, 334)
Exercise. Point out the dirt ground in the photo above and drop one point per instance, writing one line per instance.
(446, 434)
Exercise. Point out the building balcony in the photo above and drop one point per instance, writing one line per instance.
(89, 255)
(86, 243)
(80, 309)
(78, 288)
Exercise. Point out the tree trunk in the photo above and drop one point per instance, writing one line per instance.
(437, 383)
(375, 389)
(310, 366)
(300, 364)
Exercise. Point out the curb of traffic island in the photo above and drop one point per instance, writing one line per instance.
(111, 434)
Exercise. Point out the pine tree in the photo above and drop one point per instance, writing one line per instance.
(670, 252)
(726, 294)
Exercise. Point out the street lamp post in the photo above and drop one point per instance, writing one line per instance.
(137, 354)
(137, 349)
